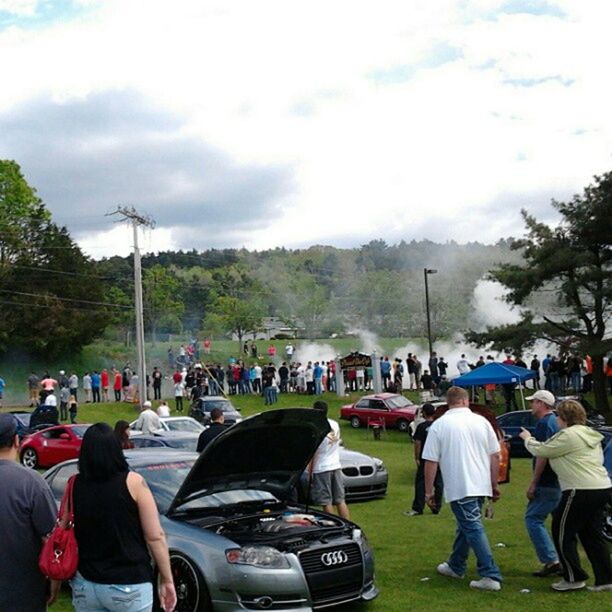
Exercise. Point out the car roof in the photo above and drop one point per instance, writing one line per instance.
(213, 398)
(171, 434)
(381, 396)
(63, 426)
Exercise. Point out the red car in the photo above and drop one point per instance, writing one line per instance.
(395, 410)
(53, 445)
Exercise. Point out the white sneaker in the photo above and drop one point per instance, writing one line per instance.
(564, 585)
(486, 584)
(445, 570)
(600, 588)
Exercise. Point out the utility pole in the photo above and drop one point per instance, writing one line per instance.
(137, 220)
(426, 273)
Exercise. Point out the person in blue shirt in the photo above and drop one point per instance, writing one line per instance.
(95, 386)
(545, 367)
(385, 372)
(318, 376)
(544, 492)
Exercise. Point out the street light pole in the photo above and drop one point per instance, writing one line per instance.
(426, 273)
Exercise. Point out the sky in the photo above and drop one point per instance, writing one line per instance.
(241, 123)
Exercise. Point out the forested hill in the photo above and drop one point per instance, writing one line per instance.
(322, 289)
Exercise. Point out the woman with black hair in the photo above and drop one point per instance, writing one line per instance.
(116, 527)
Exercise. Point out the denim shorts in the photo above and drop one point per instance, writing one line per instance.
(90, 596)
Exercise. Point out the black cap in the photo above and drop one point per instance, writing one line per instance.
(8, 428)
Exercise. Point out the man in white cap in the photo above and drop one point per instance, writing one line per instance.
(543, 492)
(148, 422)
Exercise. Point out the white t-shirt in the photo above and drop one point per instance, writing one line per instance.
(257, 371)
(50, 400)
(179, 388)
(462, 442)
(463, 366)
(163, 410)
(327, 457)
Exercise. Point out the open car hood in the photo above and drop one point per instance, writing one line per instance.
(268, 451)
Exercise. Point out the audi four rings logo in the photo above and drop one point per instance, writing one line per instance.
(335, 557)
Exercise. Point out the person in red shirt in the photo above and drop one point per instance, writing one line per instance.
(207, 346)
(177, 377)
(117, 384)
(105, 382)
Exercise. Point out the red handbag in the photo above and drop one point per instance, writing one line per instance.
(59, 557)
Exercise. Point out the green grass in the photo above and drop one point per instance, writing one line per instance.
(408, 549)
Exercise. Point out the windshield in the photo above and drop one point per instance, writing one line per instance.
(222, 404)
(399, 402)
(164, 480)
(79, 430)
(183, 425)
(23, 418)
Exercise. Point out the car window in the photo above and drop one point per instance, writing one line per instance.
(164, 480)
(183, 425)
(186, 443)
(53, 434)
(399, 402)
(142, 442)
(518, 419)
(362, 403)
(79, 430)
(377, 405)
(60, 480)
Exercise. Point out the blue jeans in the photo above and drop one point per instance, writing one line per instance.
(318, 386)
(93, 597)
(471, 534)
(544, 503)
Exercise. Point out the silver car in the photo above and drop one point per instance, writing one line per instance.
(364, 477)
(236, 540)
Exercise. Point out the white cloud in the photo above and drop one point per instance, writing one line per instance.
(521, 108)
(25, 8)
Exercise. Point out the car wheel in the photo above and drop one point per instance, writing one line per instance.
(355, 422)
(191, 592)
(403, 425)
(29, 458)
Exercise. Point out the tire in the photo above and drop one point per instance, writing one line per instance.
(355, 422)
(403, 425)
(191, 591)
(29, 458)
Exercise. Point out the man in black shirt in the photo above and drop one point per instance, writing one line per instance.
(420, 436)
(217, 426)
(283, 373)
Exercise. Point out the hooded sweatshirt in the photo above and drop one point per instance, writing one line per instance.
(576, 456)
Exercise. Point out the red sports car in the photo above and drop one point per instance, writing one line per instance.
(395, 410)
(53, 445)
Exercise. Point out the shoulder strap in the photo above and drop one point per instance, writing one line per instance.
(66, 511)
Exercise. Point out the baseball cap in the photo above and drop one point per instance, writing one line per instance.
(147, 404)
(62, 372)
(544, 396)
(8, 428)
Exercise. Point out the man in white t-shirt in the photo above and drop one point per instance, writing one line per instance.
(463, 365)
(465, 448)
(325, 470)
(148, 422)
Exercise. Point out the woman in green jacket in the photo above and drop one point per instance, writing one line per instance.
(575, 454)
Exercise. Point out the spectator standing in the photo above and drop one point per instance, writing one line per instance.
(289, 350)
(47, 385)
(117, 385)
(325, 470)
(33, 388)
(535, 367)
(217, 426)
(27, 515)
(574, 368)
(420, 437)
(72, 408)
(464, 447)
(272, 352)
(117, 530)
(179, 391)
(543, 493)
(309, 377)
(410, 365)
(418, 368)
(148, 421)
(546, 369)
(87, 387)
(283, 374)
(207, 346)
(433, 367)
(126, 377)
(442, 367)
(463, 365)
(73, 385)
(105, 384)
(62, 379)
(122, 433)
(317, 375)
(64, 397)
(95, 386)
(576, 456)
(427, 381)
(385, 372)
(360, 375)
(157, 383)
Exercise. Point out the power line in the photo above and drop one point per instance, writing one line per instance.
(64, 299)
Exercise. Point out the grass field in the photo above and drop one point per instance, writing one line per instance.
(408, 549)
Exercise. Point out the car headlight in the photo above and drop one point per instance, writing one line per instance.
(380, 466)
(258, 556)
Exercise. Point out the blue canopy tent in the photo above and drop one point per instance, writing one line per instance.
(496, 374)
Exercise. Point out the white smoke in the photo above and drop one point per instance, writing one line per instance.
(368, 340)
(489, 307)
(311, 351)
